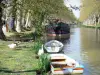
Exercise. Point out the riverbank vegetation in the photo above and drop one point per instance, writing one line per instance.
(23, 59)
(22, 15)
(21, 19)
(20, 60)
(87, 26)
(90, 13)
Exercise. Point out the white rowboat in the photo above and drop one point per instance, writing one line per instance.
(53, 46)
(62, 64)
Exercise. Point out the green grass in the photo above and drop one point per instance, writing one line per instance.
(89, 26)
(21, 60)
(37, 46)
(44, 63)
(25, 33)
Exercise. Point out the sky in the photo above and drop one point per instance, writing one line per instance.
(73, 3)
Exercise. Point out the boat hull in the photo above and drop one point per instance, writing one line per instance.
(62, 64)
(58, 36)
(53, 46)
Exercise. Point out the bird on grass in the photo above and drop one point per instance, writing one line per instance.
(13, 45)
(41, 51)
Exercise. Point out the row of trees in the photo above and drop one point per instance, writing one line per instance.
(90, 12)
(21, 15)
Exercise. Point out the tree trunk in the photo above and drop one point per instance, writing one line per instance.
(23, 20)
(27, 19)
(13, 10)
(2, 36)
(19, 17)
(18, 27)
(12, 24)
(19, 22)
(98, 19)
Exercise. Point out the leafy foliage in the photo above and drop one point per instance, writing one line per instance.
(37, 46)
(37, 11)
(44, 63)
(89, 7)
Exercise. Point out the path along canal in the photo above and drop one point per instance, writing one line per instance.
(84, 46)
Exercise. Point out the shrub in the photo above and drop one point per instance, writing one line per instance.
(37, 46)
(44, 64)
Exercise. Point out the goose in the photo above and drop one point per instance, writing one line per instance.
(13, 45)
(41, 51)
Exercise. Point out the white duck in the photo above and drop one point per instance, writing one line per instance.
(41, 51)
(12, 46)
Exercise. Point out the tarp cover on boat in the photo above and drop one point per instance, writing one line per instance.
(60, 28)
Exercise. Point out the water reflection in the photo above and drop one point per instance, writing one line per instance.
(90, 47)
(72, 48)
(84, 46)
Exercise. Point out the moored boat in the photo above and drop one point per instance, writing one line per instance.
(62, 64)
(58, 30)
(53, 46)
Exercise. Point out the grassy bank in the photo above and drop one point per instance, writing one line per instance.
(90, 26)
(21, 60)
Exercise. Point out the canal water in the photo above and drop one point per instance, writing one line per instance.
(84, 46)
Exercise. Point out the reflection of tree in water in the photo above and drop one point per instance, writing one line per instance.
(97, 34)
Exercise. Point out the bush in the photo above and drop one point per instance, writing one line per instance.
(37, 46)
(44, 64)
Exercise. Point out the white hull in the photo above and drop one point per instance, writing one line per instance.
(62, 64)
(53, 46)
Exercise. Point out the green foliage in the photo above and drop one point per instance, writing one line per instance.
(42, 9)
(21, 59)
(89, 7)
(39, 11)
(86, 26)
(37, 46)
(44, 63)
(29, 35)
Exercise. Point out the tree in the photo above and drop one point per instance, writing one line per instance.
(42, 9)
(24, 14)
(2, 36)
(89, 8)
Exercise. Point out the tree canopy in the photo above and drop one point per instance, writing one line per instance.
(89, 7)
(23, 14)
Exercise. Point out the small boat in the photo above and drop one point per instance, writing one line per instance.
(59, 30)
(62, 64)
(53, 46)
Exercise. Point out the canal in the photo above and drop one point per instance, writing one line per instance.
(84, 46)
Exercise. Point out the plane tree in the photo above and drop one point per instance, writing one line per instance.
(26, 14)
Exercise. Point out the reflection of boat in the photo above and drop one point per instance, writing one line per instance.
(53, 46)
(62, 64)
(61, 30)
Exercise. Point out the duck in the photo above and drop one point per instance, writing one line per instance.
(41, 51)
(13, 45)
